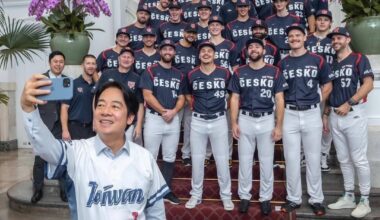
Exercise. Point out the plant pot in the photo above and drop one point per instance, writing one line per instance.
(74, 46)
(365, 34)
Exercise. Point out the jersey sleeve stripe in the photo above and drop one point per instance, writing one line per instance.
(157, 196)
(61, 166)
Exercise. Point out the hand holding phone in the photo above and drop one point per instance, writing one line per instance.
(60, 89)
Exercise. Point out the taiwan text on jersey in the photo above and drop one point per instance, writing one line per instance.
(304, 75)
(186, 58)
(165, 84)
(173, 31)
(302, 9)
(143, 61)
(107, 59)
(135, 41)
(209, 91)
(271, 56)
(276, 29)
(349, 74)
(158, 17)
(321, 47)
(226, 54)
(239, 32)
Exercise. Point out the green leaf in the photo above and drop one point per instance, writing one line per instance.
(3, 98)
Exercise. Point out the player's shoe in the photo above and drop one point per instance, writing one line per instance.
(318, 209)
(207, 162)
(362, 209)
(265, 207)
(289, 206)
(324, 165)
(186, 162)
(230, 163)
(228, 205)
(192, 203)
(345, 202)
(171, 198)
(244, 205)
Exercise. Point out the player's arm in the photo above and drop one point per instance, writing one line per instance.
(64, 121)
(234, 112)
(311, 22)
(326, 90)
(364, 89)
(152, 101)
(139, 122)
(280, 109)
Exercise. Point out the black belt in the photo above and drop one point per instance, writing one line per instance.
(80, 124)
(208, 116)
(154, 112)
(256, 114)
(301, 107)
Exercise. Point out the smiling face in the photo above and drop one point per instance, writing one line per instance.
(190, 37)
(142, 17)
(296, 39)
(126, 60)
(255, 52)
(111, 113)
(167, 53)
(175, 14)
(259, 32)
(89, 66)
(243, 10)
(57, 63)
(206, 55)
(122, 40)
(149, 40)
(323, 23)
(340, 42)
(280, 5)
(215, 28)
(204, 14)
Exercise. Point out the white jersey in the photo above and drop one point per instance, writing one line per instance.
(128, 185)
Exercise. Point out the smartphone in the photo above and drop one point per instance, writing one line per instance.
(60, 89)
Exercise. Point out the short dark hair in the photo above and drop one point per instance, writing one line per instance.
(129, 97)
(88, 56)
(56, 53)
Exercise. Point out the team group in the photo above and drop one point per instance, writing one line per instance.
(258, 72)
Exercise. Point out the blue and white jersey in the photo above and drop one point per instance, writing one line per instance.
(125, 185)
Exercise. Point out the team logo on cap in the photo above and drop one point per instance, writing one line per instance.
(148, 29)
(215, 17)
(204, 2)
(336, 30)
(324, 11)
(145, 7)
(258, 22)
(123, 30)
(192, 25)
(243, 1)
(167, 41)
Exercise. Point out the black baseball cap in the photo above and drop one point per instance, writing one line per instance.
(123, 31)
(215, 18)
(143, 8)
(325, 13)
(167, 42)
(295, 26)
(148, 31)
(174, 4)
(259, 23)
(127, 50)
(191, 27)
(204, 4)
(254, 40)
(339, 31)
(206, 44)
(242, 3)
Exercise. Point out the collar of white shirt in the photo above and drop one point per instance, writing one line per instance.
(101, 147)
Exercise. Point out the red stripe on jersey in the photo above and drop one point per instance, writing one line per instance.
(357, 61)
(104, 53)
(192, 71)
(150, 70)
(321, 60)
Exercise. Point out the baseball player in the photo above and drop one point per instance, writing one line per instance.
(185, 60)
(271, 53)
(163, 87)
(136, 29)
(277, 25)
(172, 29)
(216, 5)
(148, 55)
(190, 15)
(207, 93)
(229, 13)
(113, 178)
(319, 5)
(264, 8)
(148, 3)
(107, 59)
(254, 88)
(305, 11)
(348, 122)
(125, 74)
(239, 30)
(304, 72)
(320, 44)
(159, 13)
(204, 12)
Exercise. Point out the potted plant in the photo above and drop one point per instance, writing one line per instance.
(363, 23)
(65, 21)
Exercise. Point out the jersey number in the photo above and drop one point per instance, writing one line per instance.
(219, 94)
(310, 83)
(345, 82)
(265, 93)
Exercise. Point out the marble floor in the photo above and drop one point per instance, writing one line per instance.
(16, 166)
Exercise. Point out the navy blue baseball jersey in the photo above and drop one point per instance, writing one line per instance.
(264, 8)
(276, 29)
(257, 88)
(129, 79)
(349, 74)
(107, 59)
(172, 31)
(209, 91)
(301, 8)
(158, 17)
(135, 41)
(319, 5)
(149, 3)
(229, 13)
(202, 34)
(190, 12)
(165, 84)
(321, 47)
(304, 74)
(143, 61)
(239, 32)
(271, 56)
(216, 5)
(80, 109)
(225, 54)
(186, 58)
